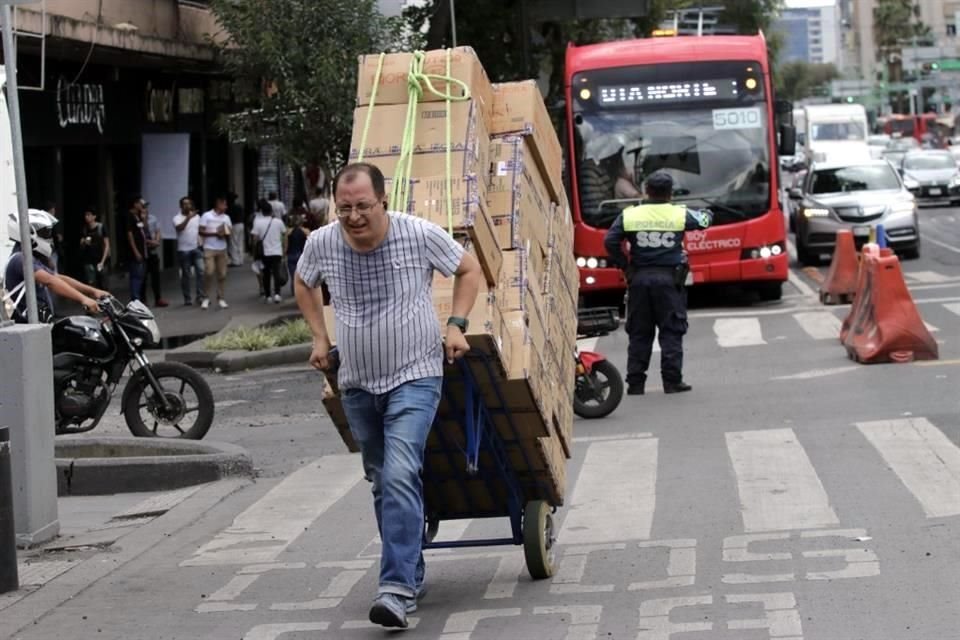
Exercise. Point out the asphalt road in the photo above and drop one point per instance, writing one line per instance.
(793, 494)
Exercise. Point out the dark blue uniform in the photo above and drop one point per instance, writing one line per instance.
(657, 301)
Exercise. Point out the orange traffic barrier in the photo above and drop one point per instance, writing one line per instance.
(841, 281)
(868, 249)
(885, 325)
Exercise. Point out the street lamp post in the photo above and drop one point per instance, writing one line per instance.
(453, 22)
(20, 179)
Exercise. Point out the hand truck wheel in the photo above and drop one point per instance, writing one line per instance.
(538, 539)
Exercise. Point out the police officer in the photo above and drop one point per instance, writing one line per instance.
(656, 276)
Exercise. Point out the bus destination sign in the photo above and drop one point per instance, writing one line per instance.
(630, 94)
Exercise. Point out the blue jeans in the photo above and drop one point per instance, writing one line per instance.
(138, 272)
(191, 260)
(392, 430)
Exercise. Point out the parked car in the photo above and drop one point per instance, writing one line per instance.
(855, 196)
(931, 176)
(898, 147)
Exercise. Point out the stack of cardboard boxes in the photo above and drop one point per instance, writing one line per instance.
(510, 210)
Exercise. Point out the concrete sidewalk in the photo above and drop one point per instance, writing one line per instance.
(179, 323)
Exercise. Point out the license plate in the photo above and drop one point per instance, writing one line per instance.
(934, 192)
(689, 279)
(861, 232)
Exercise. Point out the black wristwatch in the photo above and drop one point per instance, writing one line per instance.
(460, 323)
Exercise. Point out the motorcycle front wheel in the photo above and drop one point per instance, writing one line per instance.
(599, 392)
(189, 410)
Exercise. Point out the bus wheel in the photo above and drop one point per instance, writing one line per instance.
(770, 291)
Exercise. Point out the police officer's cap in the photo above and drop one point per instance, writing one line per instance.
(660, 182)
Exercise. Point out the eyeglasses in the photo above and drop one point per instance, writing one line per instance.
(362, 208)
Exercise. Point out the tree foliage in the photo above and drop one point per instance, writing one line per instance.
(295, 68)
(896, 24)
(798, 79)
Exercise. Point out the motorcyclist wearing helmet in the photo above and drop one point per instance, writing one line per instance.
(47, 280)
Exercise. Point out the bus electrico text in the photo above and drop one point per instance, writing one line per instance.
(702, 109)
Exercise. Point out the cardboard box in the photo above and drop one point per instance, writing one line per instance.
(518, 107)
(394, 78)
(516, 188)
(428, 200)
(469, 138)
(520, 285)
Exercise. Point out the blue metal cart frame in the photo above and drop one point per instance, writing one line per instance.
(522, 498)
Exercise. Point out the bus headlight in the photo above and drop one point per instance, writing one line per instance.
(592, 263)
(765, 252)
(581, 262)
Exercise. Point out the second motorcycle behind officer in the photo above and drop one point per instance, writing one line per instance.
(656, 276)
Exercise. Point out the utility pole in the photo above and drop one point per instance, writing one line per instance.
(453, 22)
(20, 178)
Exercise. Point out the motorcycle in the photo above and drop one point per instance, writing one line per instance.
(90, 355)
(598, 388)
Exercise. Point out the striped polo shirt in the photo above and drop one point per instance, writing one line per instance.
(387, 330)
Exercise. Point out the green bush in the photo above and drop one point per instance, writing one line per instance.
(260, 338)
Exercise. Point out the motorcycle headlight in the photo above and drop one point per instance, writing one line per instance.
(151, 326)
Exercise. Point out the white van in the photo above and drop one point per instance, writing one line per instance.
(836, 132)
(8, 184)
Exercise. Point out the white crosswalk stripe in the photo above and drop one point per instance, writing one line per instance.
(924, 459)
(926, 276)
(819, 325)
(738, 332)
(953, 307)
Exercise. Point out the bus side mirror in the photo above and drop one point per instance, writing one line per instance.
(788, 140)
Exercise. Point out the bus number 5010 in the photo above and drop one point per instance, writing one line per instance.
(748, 118)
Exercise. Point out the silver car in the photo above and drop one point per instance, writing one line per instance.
(932, 177)
(856, 196)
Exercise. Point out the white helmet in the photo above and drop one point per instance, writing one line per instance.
(41, 230)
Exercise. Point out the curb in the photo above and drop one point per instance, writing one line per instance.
(233, 361)
(163, 465)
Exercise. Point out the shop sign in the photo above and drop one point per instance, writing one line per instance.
(80, 104)
(159, 104)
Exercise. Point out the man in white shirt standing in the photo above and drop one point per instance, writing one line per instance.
(276, 204)
(189, 254)
(215, 229)
(320, 207)
(271, 232)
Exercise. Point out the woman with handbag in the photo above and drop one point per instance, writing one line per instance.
(269, 235)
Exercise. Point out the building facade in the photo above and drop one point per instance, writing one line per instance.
(118, 98)
(810, 34)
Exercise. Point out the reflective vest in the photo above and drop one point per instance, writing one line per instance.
(655, 217)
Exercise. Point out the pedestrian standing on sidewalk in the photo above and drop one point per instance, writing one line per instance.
(268, 235)
(238, 238)
(379, 266)
(94, 249)
(189, 253)
(136, 246)
(296, 241)
(215, 231)
(279, 209)
(154, 242)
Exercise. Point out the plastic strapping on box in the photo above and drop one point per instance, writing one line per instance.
(373, 101)
(417, 82)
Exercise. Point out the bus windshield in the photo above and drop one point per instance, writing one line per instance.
(712, 138)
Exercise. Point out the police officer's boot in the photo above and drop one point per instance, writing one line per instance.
(635, 388)
(676, 387)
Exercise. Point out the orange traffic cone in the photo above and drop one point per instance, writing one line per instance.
(841, 281)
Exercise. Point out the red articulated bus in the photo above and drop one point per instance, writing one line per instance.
(701, 108)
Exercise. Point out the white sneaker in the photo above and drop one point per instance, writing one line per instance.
(222, 303)
(205, 304)
(266, 299)
(276, 298)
